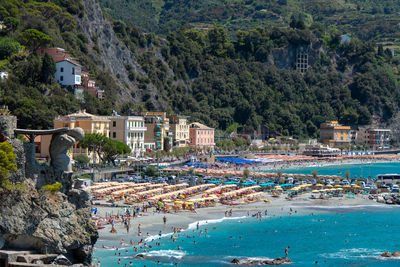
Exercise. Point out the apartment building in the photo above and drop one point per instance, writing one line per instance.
(129, 130)
(180, 130)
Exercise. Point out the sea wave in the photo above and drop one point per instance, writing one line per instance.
(356, 253)
(168, 253)
(204, 222)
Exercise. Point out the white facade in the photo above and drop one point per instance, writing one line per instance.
(68, 73)
(3, 75)
(134, 137)
(129, 130)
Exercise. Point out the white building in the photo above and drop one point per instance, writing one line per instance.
(3, 75)
(129, 130)
(68, 72)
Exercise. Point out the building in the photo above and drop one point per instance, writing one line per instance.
(201, 136)
(68, 71)
(335, 135)
(129, 130)
(3, 75)
(379, 138)
(374, 138)
(89, 85)
(180, 130)
(157, 124)
(90, 124)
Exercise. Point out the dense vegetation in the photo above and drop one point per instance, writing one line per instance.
(221, 76)
(31, 92)
(366, 19)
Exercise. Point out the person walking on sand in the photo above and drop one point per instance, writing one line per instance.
(165, 220)
(286, 251)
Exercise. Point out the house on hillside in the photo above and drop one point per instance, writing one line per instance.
(69, 73)
(3, 75)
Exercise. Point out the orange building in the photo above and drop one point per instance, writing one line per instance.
(201, 136)
(335, 135)
(90, 124)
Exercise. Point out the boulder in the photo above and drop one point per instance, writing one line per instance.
(386, 254)
(396, 254)
(61, 260)
(260, 261)
(389, 202)
(380, 199)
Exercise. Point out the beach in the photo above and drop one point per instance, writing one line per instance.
(152, 222)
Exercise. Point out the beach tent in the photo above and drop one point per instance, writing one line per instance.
(214, 182)
(267, 184)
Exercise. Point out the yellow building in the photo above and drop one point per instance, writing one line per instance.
(157, 124)
(129, 130)
(180, 130)
(89, 123)
(335, 135)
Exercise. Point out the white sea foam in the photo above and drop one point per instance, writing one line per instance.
(355, 253)
(155, 237)
(169, 253)
(204, 222)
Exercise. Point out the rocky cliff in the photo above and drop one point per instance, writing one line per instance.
(44, 221)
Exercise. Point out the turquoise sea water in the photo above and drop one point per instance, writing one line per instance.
(347, 236)
(364, 170)
(341, 237)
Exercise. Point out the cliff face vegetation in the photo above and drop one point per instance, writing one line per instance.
(217, 74)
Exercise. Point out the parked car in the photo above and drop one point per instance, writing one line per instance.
(395, 188)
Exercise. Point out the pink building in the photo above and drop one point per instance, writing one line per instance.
(201, 136)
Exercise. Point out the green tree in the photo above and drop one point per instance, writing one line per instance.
(246, 173)
(7, 160)
(82, 159)
(151, 171)
(48, 68)
(34, 39)
(113, 149)
(8, 46)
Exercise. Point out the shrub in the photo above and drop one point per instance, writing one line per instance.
(52, 188)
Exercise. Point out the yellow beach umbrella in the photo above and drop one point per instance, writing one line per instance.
(329, 186)
(356, 186)
(346, 186)
(338, 185)
(319, 185)
(315, 191)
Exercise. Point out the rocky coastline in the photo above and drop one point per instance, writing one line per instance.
(40, 226)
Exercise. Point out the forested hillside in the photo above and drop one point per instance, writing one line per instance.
(365, 19)
(243, 71)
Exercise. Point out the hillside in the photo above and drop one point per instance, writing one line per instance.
(218, 76)
(368, 20)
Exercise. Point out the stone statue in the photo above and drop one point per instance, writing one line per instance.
(59, 146)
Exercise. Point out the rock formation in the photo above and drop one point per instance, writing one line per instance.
(260, 261)
(387, 254)
(46, 222)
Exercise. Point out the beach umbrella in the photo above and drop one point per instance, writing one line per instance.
(318, 185)
(337, 186)
(346, 186)
(329, 186)
(315, 191)
(356, 186)
(340, 189)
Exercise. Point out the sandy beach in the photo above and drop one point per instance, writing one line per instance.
(152, 222)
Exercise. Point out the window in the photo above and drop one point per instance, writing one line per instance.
(114, 134)
(61, 69)
(61, 78)
(114, 124)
